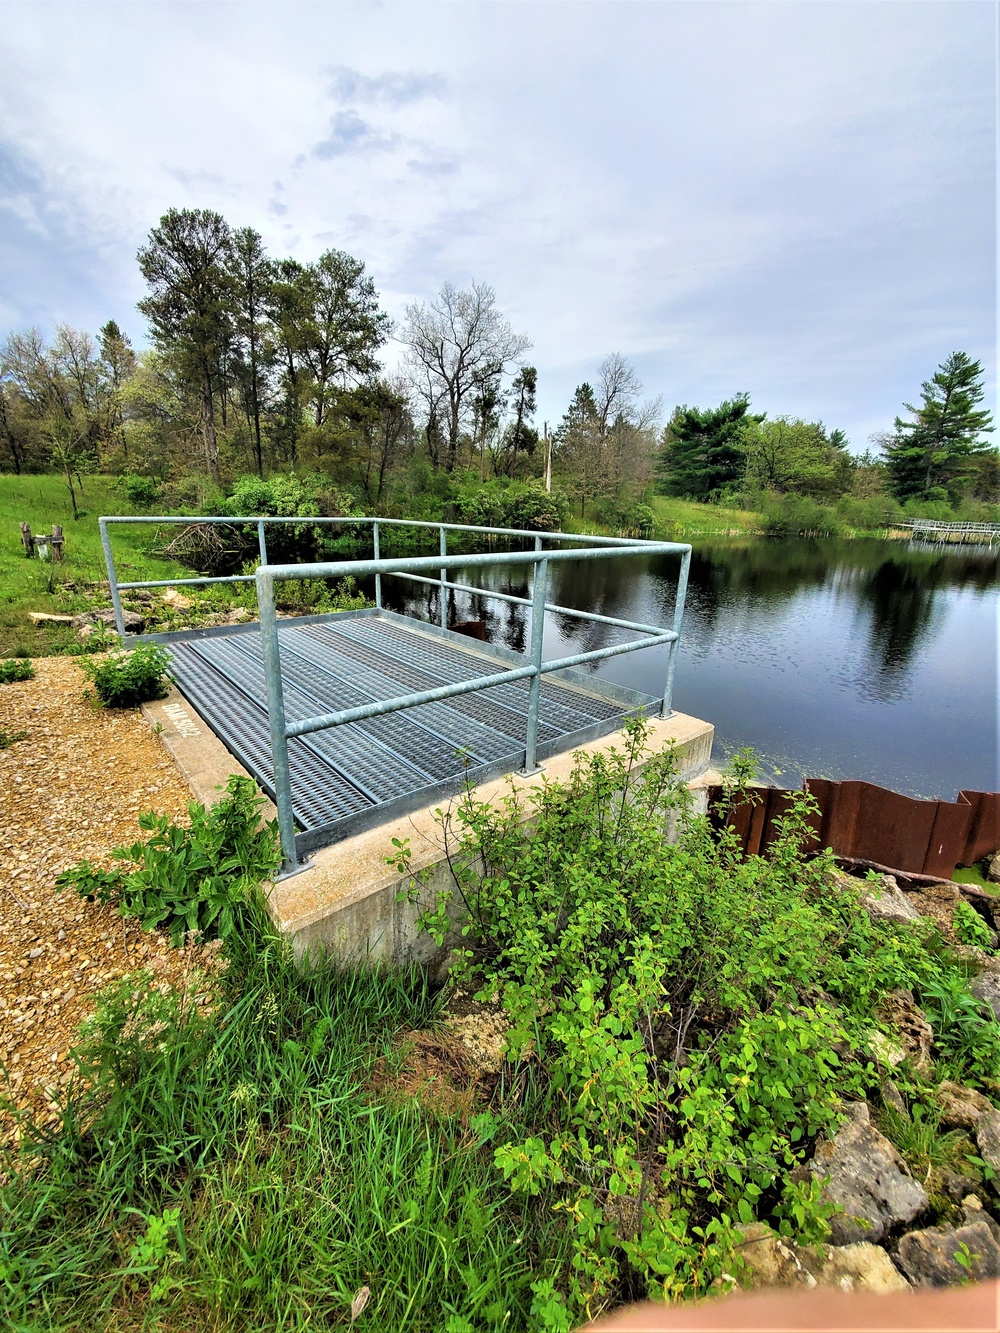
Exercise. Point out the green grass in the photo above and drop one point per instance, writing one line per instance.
(974, 875)
(679, 518)
(294, 1184)
(37, 585)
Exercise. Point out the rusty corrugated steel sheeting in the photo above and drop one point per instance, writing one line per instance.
(870, 823)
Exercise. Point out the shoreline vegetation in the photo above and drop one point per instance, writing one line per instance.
(78, 585)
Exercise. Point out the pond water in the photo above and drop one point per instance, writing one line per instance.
(838, 659)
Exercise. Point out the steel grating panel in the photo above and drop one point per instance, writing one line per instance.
(347, 777)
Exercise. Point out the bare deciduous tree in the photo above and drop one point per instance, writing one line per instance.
(454, 342)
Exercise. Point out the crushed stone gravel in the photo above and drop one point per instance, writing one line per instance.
(72, 788)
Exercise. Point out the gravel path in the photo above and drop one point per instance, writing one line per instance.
(72, 788)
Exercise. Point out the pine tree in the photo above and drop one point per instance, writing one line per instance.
(703, 449)
(933, 457)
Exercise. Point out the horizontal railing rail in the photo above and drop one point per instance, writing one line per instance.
(536, 561)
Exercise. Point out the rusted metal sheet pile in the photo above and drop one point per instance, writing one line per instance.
(866, 823)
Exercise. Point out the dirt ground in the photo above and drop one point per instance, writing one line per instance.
(72, 788)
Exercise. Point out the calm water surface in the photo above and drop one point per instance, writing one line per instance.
(840, 659)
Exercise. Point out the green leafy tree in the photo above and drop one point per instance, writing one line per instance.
(933, 455)
(252, 275)
(189, 307)
(790, 455)
(704, 450)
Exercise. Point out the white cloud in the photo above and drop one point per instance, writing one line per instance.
(795, 199)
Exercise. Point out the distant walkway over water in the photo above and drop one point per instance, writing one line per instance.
(935, 530)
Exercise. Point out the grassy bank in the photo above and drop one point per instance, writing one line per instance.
(80, 582)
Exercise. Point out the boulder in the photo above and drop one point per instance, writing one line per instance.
(915, 1035)
(930, 1258)
(867, 1178)
(177, 600)
(961, 1108)
(973, 1211)
(988, 1139)
(986, 987)
(772, 1261)
(993, 867)
(884, 900)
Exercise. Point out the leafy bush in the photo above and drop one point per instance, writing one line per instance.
(16, 669)
(501, 503)
(141, 492)
(688, 1020)
(797, 516)
(200, 878)
(125, 679)
(970, 926)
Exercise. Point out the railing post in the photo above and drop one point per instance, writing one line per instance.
(539, 589)
(262, 541)
(682, 583)
(109, 561)
(276, 718)
(378, 577)
(444, 576)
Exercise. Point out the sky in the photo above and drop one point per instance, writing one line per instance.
(796, 200)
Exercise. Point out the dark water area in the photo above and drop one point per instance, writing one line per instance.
(838, 659)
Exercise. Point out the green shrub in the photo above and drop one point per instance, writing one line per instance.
(125, 679)
(201, 878)
(798, 516)
(16, 669)
(970, 926)
(688, 1020)
(141, 492)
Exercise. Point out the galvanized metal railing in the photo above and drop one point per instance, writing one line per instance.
(988, 532)
(417, 569)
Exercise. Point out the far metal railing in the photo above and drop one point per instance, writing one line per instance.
(934, 526)
(417, 569)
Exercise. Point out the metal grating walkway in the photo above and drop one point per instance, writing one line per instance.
(353, 776)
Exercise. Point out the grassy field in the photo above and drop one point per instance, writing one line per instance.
(687, 518)
(80, 582)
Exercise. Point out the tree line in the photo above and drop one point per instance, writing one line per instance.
(262, 364)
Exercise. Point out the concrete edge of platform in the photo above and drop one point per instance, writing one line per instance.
(346, 901)
(349, 901)
(203, 760)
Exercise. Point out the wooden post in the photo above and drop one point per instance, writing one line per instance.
(27, 541)
(57, 542)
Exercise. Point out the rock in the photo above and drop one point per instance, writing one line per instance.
(928, 1258)
(867, 1178)
(953, 1186)
(885, 1050)
(239, 616)
(177, 600)
(44, 618)
(938, 901)
(972, 1208)
(133, 621)
(961, 1107)
(986, 987)
(772, 1261)
(988, 1139)
(859, 1267)
(993, 867)
(892, 1096)
(884, 900)
(899, 1011)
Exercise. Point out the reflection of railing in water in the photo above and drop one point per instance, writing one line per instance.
(418, 569)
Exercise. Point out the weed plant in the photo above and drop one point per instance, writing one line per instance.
(197, 878)
(16, 668)
(127, 679)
